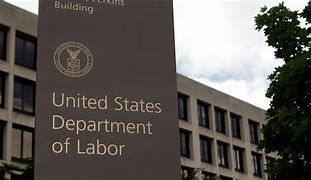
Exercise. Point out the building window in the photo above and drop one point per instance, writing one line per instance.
(25, 51)
(22, 142)
(182, 107)
(270, 161)
(207, 175)
(205, 149)
(257, 164)
(187, 173)
(3, 34)
(24, 95)
(2, 89)
(2, 124)
(16, 177)
(220, 120)
(235, 125)
(203, 114)
(253, 132)
(223, 154)
(184, 143)
(238, 157)
(225, 178)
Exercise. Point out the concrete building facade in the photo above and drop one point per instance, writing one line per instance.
(218, 133)
(18, 29)
(231, 132)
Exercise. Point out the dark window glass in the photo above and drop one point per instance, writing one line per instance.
(3, 34)
(182, 107)
(257, 164)
(235, 126)
(16, 177)
(2, 174)
(220, 120)
(2, 85)
(205, 149)
(253, 132)
(222, 155)
(207, 175)
(2, 124)
(225, 178)
(28, 98)
(184, 143)
(24, 95)
(22, 142)
(25, 52)
(186, 173)
(19, 51)
(238, 157)
(203, 114)
(30, 54)
(18, 93)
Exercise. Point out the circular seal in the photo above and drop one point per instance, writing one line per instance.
(73, 59)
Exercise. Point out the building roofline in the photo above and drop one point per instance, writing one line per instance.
(2, 2)
(220, 92)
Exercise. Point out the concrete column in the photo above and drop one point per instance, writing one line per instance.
(230, 148)
(193, 119)
(263, 160)
(229, 133)
(214, 143)
(248, 151)
(9, 91)
(211, 117)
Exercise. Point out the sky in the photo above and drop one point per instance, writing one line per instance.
(217, 44)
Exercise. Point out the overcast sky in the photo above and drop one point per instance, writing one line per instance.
(217, 44)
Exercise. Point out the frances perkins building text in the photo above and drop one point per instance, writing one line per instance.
(87, 6)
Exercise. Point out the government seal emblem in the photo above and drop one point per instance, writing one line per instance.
(73, 59)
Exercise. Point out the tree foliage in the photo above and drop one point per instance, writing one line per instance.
(26, 173)
(194, 173)
(288, 131)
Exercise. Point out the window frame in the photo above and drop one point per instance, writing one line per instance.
(208, 150)
(256, 158)
(26, 38)
(188, 171)
(2, 88)
(203, 122)
(24, 82)
(235, 119)
(29, 130)
(187, 152)
(184, 113)
(2, 126)
(254, 135)
(5, 30)
(239, 152)
(225, 157)
(272, 160)
(206, 174)
(225, 178)
(222, 122)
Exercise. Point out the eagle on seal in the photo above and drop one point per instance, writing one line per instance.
(73, 54)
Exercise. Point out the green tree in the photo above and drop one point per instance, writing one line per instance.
(288, 130)
(193, 173)
(26, 173)
(191, 176)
